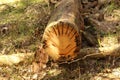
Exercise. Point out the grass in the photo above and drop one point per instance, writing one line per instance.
(112, 6)
(21, 19)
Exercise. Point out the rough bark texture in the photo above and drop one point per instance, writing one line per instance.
(62, 37)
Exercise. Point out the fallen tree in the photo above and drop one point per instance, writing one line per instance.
(62, 38)
(63, 34)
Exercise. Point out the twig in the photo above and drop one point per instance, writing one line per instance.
(97, 53)
(76, 60)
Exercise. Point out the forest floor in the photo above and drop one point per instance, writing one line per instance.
(22, 24)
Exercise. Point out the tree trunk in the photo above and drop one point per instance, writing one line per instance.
(62, 37)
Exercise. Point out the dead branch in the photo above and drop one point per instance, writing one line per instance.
(84, 53)
(14, 58)
(102, 51)
(97, 53)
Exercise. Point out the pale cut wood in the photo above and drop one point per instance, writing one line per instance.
(14, 58)
(62, 37)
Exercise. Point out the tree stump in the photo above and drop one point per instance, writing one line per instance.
(62, 37)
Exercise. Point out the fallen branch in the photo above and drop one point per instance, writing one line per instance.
(14, 58)
(102, 51)
(84, 53)
(97, 53)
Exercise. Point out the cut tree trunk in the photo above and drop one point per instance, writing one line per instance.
(62, 37)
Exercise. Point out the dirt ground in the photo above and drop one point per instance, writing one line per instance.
(22, 24)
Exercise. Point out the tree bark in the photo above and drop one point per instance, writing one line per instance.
(62, 37)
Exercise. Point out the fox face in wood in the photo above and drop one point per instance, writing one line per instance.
(61, 42)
